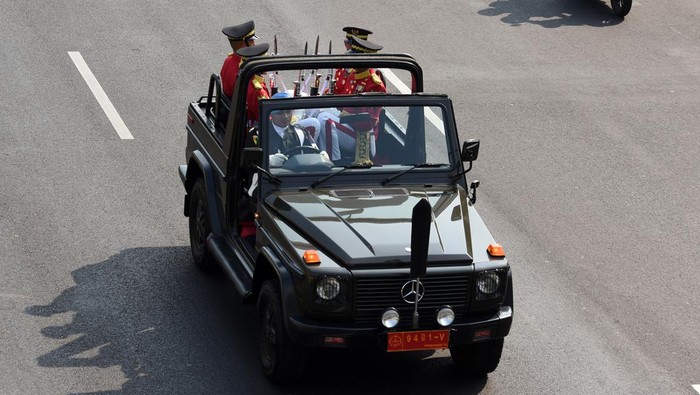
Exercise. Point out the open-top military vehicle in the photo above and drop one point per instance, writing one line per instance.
(379, 249)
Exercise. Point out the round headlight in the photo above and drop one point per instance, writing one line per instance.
(488, 283)
(328, 288)
(390, 318)
(445, 316)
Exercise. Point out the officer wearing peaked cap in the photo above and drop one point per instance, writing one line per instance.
(257, 89)
(342, 75)
(351, 32)
(239, 36)
(336, 137)
(242, 32)
(364, 80)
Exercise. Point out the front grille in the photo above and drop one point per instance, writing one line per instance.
(374, 295)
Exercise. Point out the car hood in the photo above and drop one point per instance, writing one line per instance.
(373, 225)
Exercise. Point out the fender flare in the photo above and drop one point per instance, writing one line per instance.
(290, 307)
(282, 274)
(509, 292)
(197, 167)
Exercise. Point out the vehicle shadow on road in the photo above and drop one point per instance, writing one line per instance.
(553, 13)
(169, 328)
(148, 311)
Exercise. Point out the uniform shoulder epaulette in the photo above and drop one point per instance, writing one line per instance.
(377, 80)
(257, 85)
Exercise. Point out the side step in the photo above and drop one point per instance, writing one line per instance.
(230, 261)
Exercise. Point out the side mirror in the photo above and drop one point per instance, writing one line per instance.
(470, 150)
(251, 156)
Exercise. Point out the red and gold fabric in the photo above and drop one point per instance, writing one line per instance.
(229, 72)
(366, 81)
(342, 78)
(256, 90)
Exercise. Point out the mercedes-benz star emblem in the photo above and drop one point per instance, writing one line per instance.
(412, 291)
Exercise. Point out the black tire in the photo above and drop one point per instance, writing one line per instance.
(200, 226)
(621, 7)
(282, 360)
(477, 359)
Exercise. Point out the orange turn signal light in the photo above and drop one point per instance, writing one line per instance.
(311, 257)
(495, 249)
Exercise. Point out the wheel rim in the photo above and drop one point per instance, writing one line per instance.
(268, 339)
(200, 225)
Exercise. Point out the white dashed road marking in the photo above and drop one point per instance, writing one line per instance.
(394, 80)
(101, 96)
(696, 387)
(391, 77)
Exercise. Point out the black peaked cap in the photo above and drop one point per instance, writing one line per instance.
(357, 32)
(253, 50)
(363, 46)
(243, 31)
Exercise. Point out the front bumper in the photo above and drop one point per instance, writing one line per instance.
(311, 333)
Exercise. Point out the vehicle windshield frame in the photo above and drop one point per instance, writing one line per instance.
(365, 100)
(261, 65)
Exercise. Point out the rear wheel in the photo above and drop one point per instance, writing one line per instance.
(477, 359)
(621, 7)
(200, 226)
(282, 360)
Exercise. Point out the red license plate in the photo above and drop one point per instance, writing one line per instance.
(417, 340)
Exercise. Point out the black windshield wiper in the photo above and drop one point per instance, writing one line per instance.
(418, 166)
(275, 180)
(326, 177)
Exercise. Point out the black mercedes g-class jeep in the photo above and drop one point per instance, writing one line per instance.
(379, 249)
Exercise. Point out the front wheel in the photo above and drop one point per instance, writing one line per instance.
(200, 226)
(477, 359)
(282, 360)
(621, 7)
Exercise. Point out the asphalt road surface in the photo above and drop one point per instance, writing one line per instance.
(589, 170)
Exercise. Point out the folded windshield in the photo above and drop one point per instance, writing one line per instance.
(375, 138)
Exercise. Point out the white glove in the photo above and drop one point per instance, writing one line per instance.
(277, 160)
(325, 157)
(253, 184)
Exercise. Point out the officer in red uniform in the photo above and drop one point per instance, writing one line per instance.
(257, 89)
(343, 76)
(239, 36)
(342, 136)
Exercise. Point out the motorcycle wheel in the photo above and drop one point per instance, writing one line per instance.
(621, 7)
